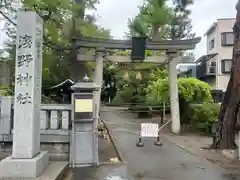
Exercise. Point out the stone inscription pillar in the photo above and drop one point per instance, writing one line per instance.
(27, 161)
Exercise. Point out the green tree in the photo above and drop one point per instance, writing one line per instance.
(157, 20)
(54, 14)
(180, 26)
(84, 24)
(153, 16)
(59, 27)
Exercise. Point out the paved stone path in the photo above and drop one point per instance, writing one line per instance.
(150, 162)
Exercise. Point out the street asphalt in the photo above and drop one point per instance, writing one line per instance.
(166, 162)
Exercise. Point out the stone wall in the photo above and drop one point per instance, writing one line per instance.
(54, 129)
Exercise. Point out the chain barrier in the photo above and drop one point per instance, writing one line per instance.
(142, 108)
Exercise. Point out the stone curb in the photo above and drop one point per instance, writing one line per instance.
(115, 144)
(62, 173)
(111, 163)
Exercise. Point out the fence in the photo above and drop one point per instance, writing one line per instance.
(55, 124)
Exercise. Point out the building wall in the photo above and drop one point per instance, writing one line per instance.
(223, 52)
(212, 82)
(210, 36)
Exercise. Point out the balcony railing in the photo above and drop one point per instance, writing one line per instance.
(205, 69)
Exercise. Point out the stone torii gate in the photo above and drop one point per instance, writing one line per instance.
(171, 47)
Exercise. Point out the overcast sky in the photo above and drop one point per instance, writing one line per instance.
(114, 14)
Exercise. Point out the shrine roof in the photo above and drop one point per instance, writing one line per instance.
(66, 82)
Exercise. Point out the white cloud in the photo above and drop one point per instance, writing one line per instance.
(114, 15)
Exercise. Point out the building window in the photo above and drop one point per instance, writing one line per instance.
(211, 44)
(227, 38)
(212, 70)
(226, 65)
(212, 63)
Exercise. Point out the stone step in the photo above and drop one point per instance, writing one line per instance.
(54, 171)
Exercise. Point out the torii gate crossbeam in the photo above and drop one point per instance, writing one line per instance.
(100, 43)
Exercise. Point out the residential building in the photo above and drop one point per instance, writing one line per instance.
(215, 66)
(189, 71)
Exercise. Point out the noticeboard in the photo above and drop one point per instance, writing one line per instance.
(83, 106)
(149, 130)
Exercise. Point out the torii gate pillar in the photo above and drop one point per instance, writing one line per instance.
(98, 76)
(174, 102)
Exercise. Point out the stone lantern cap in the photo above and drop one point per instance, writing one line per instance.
(86, 85)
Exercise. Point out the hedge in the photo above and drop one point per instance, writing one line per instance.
(202, 116)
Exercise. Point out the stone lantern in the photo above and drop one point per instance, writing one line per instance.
(84, 137)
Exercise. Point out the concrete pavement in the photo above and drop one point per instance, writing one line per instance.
(104, 172)
(150, 162)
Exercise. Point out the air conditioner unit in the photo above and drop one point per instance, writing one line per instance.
(211, 70)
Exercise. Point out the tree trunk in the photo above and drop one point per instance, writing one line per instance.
(225, 132)
(155, 32)
(78, 69)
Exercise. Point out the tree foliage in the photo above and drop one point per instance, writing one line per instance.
(59, 28)
(180, 26)
(153, 15)
(157, 20)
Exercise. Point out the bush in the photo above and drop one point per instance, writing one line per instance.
(138, 99)
(117, 100)
(191, 90)
(143, 110)
(140, 106)
(202, 116)
(123, 96)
